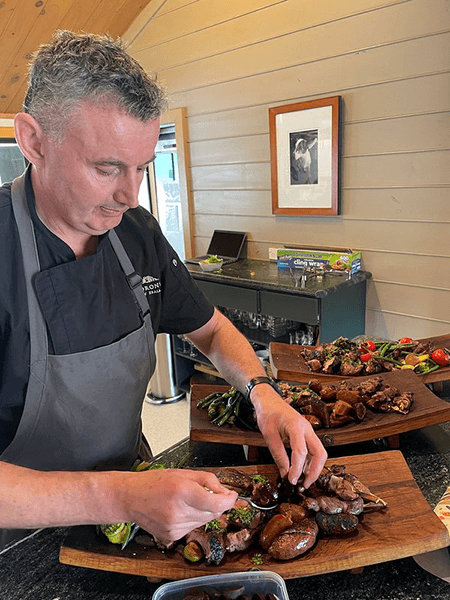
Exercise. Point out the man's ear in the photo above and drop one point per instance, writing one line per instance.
(29, 136)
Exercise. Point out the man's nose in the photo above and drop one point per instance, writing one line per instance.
(128, 190)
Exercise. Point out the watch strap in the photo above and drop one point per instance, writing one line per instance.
(256, 381)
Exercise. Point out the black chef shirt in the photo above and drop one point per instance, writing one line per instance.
(99, 306)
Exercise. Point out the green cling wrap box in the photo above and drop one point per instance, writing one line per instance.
(339, 260)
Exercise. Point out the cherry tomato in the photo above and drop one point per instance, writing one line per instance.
(405, 340)
(441, 358)
(365, 357)
(370, 345)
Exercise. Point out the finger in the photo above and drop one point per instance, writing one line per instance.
(316, 461)
(278, 451)
(298, 456)
(203, 500)
(210, 481)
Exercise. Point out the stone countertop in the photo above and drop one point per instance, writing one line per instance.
(30, 569)
(256, 274)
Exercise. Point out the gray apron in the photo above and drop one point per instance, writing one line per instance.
(83, 410)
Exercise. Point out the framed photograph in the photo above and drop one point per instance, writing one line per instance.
(304, 156)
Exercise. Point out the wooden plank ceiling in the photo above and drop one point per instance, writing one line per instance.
(25, 24)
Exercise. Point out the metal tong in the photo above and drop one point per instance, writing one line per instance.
(135, 529)
(299, 277)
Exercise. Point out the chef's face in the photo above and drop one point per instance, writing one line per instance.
(89, 180)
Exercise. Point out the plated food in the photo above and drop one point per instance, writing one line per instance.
(408, 527)
(349, 358)
(333, 505)
(323, 405)
(427, 358)
(212, 263)
(427, 409)
(327, 405)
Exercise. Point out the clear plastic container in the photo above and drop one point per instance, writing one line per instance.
(264, 582)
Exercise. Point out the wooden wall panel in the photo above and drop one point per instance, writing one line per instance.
(414, 134)
(420, 95)
(414, 300)
(404, 268)
(395, 325)
(362, 33)
(405, 134)
(237, 202)
(172, 5)
(380, 171)
(254, 148)
(388, 204)
(192, 17)
(399, 204)
(390, 62)
(382, 236)
(405, 60)
(410, 170)
(257, 27)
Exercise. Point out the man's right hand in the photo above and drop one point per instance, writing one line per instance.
(168, 503)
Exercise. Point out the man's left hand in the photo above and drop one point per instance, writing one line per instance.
(280, 424)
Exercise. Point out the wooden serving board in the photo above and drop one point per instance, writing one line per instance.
(288, 364)
(407, 527)
(427, 410)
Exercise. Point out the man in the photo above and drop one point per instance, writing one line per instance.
(78, 331)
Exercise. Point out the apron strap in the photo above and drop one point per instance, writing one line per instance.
(38, 330)
(134, 279)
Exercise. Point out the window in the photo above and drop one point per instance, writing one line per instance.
(12, 161)
(169, 182)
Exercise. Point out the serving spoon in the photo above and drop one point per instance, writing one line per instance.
(248, 500)
(252, 503)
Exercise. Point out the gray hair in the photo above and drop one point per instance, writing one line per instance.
(74, 67)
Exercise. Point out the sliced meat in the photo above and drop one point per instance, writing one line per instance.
(295, 511)
(237, 541)
(295, 540)
(359, 411)
(370, 386)
(328, 393)
(211, 542)
(329, 482)
(349, 396)
(349, 367)
(372, 367)
(336, 524)
(332, 365)
(331, 505)
(235, 480)
(403, 402)
(315, 365)
(272, 529)
(264, 493)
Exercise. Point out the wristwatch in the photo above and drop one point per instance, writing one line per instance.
(256, 381)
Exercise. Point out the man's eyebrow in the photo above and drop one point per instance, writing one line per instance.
(118, 163)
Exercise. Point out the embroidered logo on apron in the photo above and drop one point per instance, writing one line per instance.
(151, 285)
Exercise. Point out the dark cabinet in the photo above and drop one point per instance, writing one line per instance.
(331, 306)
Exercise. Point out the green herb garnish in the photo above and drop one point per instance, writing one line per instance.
(260, 478)
(245, 515)
(214, 525)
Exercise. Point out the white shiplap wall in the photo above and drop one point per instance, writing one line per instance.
(228, 61)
